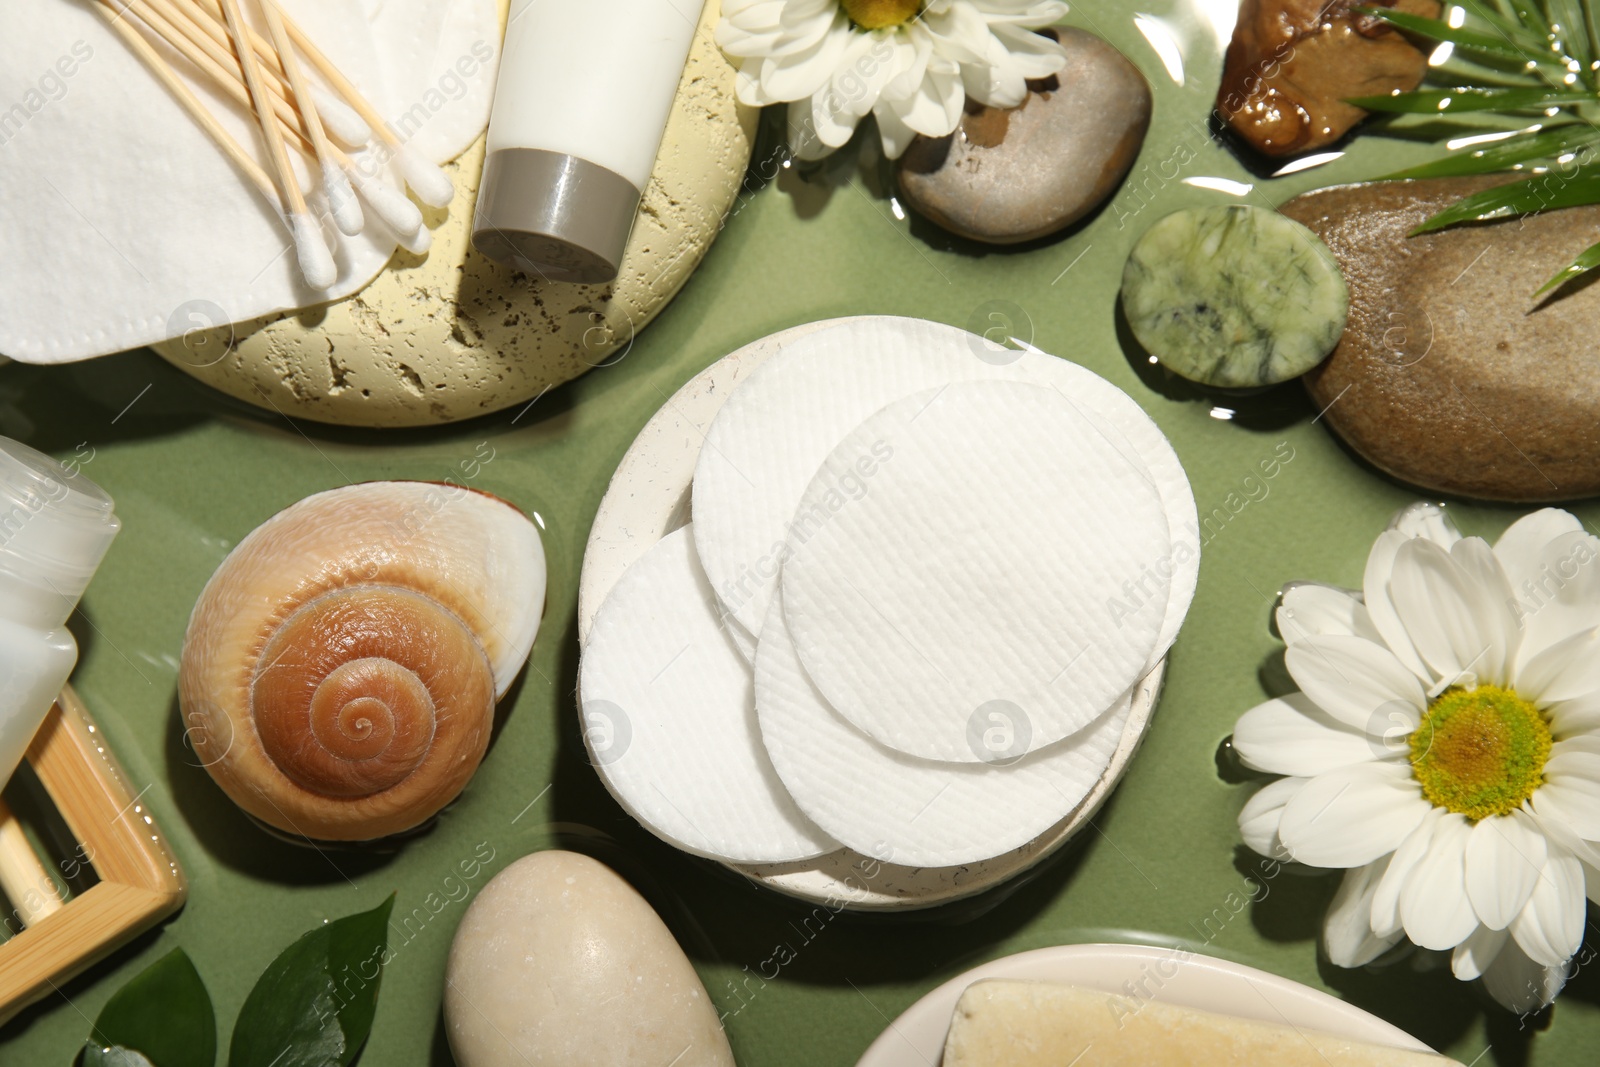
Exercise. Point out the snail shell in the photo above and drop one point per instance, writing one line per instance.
(341, 667)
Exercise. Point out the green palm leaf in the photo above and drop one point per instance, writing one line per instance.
(1547, 143)
(1588, 261)
(1473, 98)
(1556, 43)
(1541, 192)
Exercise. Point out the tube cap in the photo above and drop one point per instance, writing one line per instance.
(553, 214)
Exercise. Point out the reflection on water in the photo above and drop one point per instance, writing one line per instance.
(1193, 30)
(1220, 185)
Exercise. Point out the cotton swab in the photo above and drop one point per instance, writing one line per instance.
(337, 116)
(342, 200)
(316, 263)
(189, 102)
(398, 213)
(340, 118)
(431, 184)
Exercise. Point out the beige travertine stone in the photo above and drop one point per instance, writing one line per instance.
(452, 334)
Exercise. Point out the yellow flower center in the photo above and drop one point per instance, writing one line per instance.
(880, 14)
(1480, 752)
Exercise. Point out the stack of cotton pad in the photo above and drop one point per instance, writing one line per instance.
(923, 578)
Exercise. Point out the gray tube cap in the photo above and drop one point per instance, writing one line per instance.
(554, 215)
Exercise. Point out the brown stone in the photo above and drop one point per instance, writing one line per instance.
(1292, 64)
(1450, 374)
(1013, 174)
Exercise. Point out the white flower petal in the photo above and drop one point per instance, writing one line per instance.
(1428, 520)
(1519, 984)
(1261, 814)
(895, 134)
(797, 76)
(1520, 546)
(1037, 55)
(1451, 619)
(1352, 816)
(1433, 905)
(1308, 609)
(1347, 931)
(1504, 857)
(1570, 718)
(1386, 898)
(1358, 682)
(1573, 802)
(1564, 670)
(1550, 926)
(1380, 604)
(1562, 596)
(1474, 955)
(1292, 735)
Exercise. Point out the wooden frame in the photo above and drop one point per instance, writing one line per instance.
(140, 882)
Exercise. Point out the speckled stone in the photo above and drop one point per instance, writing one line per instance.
(1015, 174)
(1451, 376)
(1234, 297)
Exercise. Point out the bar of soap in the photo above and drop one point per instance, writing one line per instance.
(1234, 297)
(1000, 1023)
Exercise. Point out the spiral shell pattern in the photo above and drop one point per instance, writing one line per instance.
(341, 668)
(359, 686)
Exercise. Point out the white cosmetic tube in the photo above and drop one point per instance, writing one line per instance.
(55, 525)
(582, 99)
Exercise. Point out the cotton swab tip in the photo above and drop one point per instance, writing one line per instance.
(388, 203)
(417, 243)
(340, 119)
(431, 184)
(316, 262)
(342, 202)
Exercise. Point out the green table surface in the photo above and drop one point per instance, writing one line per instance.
(193, 472)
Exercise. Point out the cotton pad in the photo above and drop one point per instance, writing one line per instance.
(773, 432)
(912, 811)
(669, 718)
(966, 548)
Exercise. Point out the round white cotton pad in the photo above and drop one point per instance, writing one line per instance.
(911, 811)
(968, 550)
(669, 719)
(774, 430)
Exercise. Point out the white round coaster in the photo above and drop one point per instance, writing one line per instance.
(669, 718)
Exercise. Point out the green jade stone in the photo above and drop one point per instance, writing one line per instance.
(1234, 297)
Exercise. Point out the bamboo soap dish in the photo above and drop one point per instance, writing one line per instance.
(117, 879)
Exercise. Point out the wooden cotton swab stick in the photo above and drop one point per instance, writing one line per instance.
(341, 198)
(316, 264)
(427, 180)
(398, 213)
(186, 98)
(194, 22)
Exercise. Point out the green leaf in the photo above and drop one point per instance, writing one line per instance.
(1573, 35)
(1547, 143)
(313, 1005)
(1538, 193)
(1589, 260)
(1472, 98)
(161, 1018)
(1489, 43)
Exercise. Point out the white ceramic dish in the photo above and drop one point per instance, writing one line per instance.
(1170, 976)
(648, 498)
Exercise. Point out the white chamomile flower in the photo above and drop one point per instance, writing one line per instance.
(1445, 748)
(910, 63)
